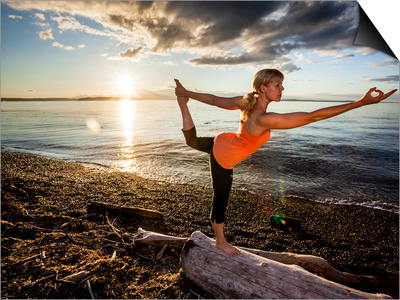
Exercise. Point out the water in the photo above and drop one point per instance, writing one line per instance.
(350, 159)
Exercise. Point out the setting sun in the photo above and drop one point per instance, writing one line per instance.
(125, 85)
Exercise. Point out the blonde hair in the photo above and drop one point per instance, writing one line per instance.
(265, 76)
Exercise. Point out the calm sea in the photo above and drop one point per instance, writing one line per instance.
(350, 159)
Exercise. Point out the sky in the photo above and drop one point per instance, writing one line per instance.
(76, 49)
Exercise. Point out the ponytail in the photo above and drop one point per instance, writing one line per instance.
(247, 104)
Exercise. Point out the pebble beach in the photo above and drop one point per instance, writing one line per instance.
(352, 239)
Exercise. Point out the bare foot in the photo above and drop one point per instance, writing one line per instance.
(182, 100)
(227, 248)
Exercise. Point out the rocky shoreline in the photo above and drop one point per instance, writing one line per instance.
(352, 239)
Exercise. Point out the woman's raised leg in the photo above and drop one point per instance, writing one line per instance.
(187, 120)
(204, 144)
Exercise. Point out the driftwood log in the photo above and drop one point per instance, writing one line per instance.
(126, 210)
(250, 276)
(310, 263)
(321, 267)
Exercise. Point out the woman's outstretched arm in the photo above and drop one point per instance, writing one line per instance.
(293, 120)
(230, 103)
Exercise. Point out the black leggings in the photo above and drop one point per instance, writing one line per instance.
(221, 178)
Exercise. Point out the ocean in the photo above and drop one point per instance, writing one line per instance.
(351, 159)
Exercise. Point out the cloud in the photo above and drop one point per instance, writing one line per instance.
(389, 78)
(344, 56)
(15, 17)
(366, 51)
(389, 63)
(170, 63)
(82, 46)
(66, 23)
(289, 68)
(40, 16)
(130, 53)
(41, 24)
(57, 44)
(247, 32)
(306, 25)
(46, 35)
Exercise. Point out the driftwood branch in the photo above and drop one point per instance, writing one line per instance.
(310, 263)
(76, 277)
(126, 210)
(158, 239)
(41, 255)
(249, 276)
(89, 289)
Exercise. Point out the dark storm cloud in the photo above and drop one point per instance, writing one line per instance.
(314, 13)
(226, 20)
(217, 32)
(304, 25)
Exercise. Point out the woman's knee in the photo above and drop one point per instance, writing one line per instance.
(199, 143)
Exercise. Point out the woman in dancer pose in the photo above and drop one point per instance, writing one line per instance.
(228, 149)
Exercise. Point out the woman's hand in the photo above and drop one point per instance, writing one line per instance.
(369, 99)
(230, 103)
(180, 91)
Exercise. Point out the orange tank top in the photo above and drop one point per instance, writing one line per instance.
(231, 148)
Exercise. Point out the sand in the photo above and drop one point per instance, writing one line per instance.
(353, 239)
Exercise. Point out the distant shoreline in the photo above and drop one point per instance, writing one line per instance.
(135, 99)
(142, 99)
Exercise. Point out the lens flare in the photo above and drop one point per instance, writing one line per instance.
(279, 185)
(92, 124)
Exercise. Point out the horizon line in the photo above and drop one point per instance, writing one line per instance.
(113, 98)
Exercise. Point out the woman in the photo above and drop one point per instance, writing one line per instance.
(228, 149)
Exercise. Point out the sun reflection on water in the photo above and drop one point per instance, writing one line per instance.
(127, 162)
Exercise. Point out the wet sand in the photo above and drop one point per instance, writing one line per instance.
(352, 239)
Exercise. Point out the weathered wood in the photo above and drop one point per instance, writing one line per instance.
(115, 248)
(161, 253)
(126, 210)
(158, 239)
(41, 255)
(311, 263)
(320, 266)
(248, 276)
(90, 289)
(76, 277)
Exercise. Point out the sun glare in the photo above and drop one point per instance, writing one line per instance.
(125, 85)
(127, 156)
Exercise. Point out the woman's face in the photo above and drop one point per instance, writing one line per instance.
(273, 91)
